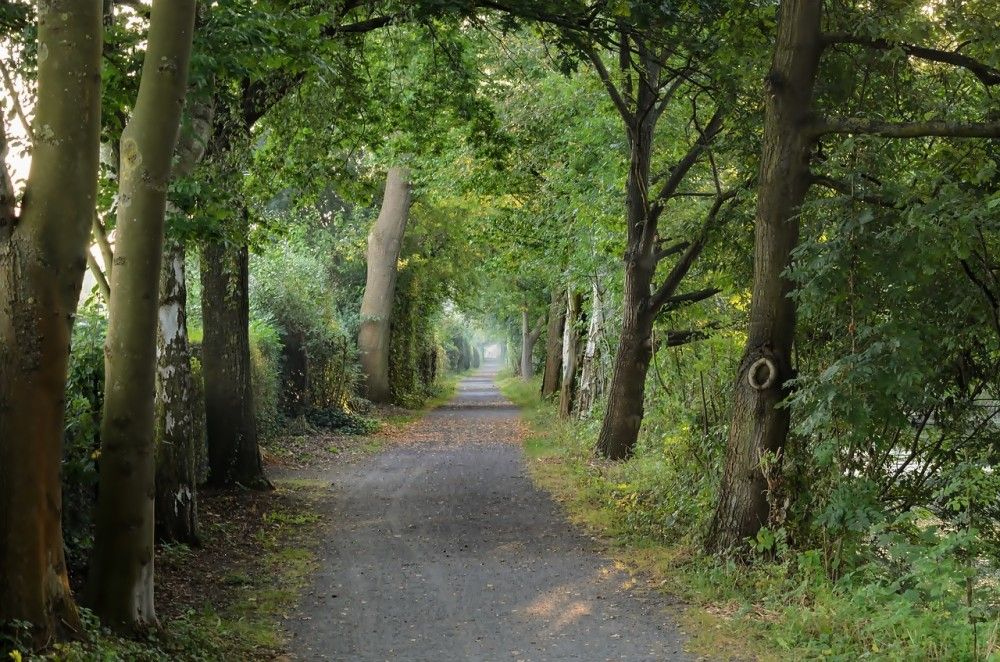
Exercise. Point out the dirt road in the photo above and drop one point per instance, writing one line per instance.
(440, 548)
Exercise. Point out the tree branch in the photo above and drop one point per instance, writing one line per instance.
(986, 74)
(671, 250)
(102, 280)
(680, 300)
(605, 76)
(853, 192)
(101, 238)
(361, 27)
(8, 196)
(665, 292)
(18, 109)
(858, 125)
(681, 168)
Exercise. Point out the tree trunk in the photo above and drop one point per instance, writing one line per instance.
(554, 344)
(529, 337)
(384, 244)
(121, 570)
(294, 374)
(570, 354)
(591, 375)
(230, 417)
(758, 425)
(177, 432)
(42, 263)
(626, 395)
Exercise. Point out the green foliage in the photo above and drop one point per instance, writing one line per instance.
(81, 451)
(337, 420)
(265, 365)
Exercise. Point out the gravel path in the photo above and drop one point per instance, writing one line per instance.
(440, 548)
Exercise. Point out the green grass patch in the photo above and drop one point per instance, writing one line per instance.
(650, 517)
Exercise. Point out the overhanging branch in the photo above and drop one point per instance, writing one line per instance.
(858, 125)
(852, 191)
(986, 74)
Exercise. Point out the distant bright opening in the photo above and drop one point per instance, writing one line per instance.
(492, 352)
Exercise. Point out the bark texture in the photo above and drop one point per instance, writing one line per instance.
(177, 432)
(42, 263)
(758, 425)
(529, 336)
(384, 244)
(591, 385)
(570, 354)
(121, 570)
(626, 395)
(554, 344)
(230, 417)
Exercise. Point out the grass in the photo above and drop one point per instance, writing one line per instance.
(766, 611)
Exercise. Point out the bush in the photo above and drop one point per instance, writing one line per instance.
(337, 420)
(265, 365)
(82, 442)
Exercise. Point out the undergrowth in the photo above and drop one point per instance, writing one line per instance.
(783, 607)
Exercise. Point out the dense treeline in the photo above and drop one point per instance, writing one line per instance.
(747, 247)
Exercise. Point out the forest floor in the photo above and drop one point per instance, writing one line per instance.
(440, 547)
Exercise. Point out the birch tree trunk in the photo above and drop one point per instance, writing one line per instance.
(121, 570)
(177, 433)
(591, 378)
(758, 424)
(384, 244)
(554, 343)
(42, 263)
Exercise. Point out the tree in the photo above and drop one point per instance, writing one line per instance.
(529, 336)
(121, 571)
(177, 433)
(384, 244)
(554, 344)
(42, 262)
(759, 427)
(641, 102)
(570, 354)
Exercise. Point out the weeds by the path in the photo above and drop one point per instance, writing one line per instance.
(773, 610)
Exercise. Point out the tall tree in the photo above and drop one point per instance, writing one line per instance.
(648, 86)
(759, 427)
(384, 244)
(177, 433)
(42, 263)
(121, 571)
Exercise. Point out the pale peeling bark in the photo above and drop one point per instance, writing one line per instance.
(42, 264)
(177, 433)
(384, 244)
(758, 424)
(591, 371)
(121, 572)
(570, 354)
(554, 344)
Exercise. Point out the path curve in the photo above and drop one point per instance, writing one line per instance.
(440, 548)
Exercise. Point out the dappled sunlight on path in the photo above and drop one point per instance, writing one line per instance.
(440, 548)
